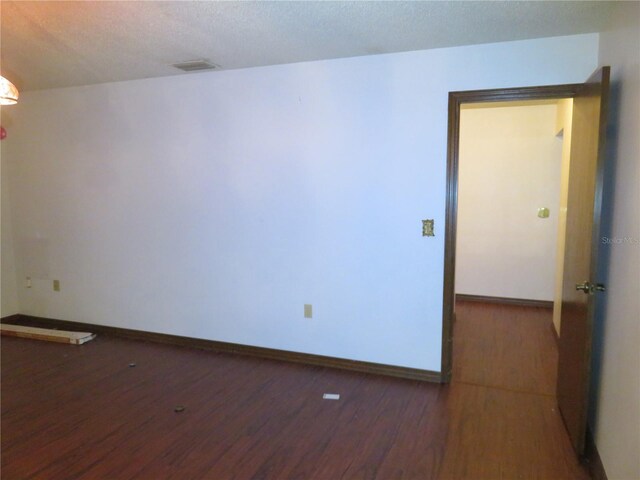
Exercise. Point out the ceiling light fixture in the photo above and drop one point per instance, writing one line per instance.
(8, 92)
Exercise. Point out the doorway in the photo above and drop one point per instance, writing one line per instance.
(508, 252)
(584, 199)
(456, 102)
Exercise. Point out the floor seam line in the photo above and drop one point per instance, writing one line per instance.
(503, 389)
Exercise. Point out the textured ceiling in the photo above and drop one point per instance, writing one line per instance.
(58, 44)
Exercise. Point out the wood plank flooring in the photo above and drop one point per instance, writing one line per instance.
(505, 346)
(81, 412)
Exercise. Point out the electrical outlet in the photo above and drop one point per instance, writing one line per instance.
(308, 311)
(56, 285)
(27, 283)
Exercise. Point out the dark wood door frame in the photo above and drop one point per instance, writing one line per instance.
(456, 99)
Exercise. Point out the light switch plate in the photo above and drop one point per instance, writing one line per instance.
(543, 212)
(56, 285)
(427, 228)
(308, 311)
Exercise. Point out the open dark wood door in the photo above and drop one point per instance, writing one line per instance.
(580, 288)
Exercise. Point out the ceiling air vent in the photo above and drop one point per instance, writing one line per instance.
(196, 66)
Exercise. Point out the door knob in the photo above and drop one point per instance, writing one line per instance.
(588, 287)
(584, 286)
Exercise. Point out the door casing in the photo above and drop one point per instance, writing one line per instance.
(456, 99)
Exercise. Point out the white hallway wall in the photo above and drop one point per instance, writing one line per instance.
(509, 166)
(616, 396)
(215, 205)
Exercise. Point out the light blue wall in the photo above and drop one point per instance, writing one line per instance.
(615, 399)
(215, 205)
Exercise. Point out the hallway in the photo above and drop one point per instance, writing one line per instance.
(504, 346)
(506, 424)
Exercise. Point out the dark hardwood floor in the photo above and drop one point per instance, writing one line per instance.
(505, 346)
(80, 412)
